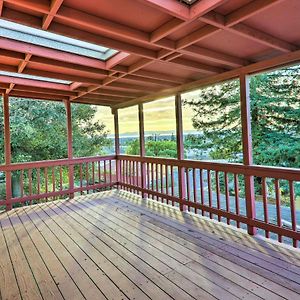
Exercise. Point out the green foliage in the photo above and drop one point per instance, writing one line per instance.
(275, 110)
(156, 148)
(38, 130)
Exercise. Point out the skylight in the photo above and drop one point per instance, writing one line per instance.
(26, 76)
(44, 38)
(188, 2)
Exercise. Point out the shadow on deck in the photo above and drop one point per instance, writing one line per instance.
(113, 245)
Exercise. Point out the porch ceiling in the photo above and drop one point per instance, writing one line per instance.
(161, 46)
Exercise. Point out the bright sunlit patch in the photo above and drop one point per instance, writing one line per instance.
(26, 76)
(44, 38)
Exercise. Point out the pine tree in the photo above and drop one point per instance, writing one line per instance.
(275, 112)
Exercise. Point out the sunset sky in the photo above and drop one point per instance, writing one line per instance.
(159, 116)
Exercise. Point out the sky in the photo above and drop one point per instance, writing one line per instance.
(158, 116)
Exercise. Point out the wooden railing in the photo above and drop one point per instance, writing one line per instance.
(218, 191)
(46, 180)
(215, 190)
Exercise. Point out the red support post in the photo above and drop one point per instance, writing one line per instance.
(117, 146)
(142, 148)
(247, 148)
(7, 151)
(70, 147)
(180, 150)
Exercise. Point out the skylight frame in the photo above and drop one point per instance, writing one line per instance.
(33, 77)
(55, 41)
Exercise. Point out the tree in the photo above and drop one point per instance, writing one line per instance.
(275, 111)
(154, 147)
(38, 130)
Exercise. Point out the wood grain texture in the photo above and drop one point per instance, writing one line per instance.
(115, 245)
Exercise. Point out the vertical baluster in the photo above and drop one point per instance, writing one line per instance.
(87, 177)
(46, 181)
(53, 181)
(187, 175)
(130, 174)
(172, 183)
(93, 173)
(167, 178)
(148, 176)
(237, 197)
(209, 191)
(105, 171)
(110, 172)
(278, 207)
(99, 172)
(293, 211)
(125, 173)
(60, 179)
(265, 204)
(22, 183)
(156, 180)
(194, 188)
(152, 178)
(80, 175)
(38, 176)
(218, 193)
(138, 182)
(161, 181)
(227, 199)
(201, 189)
(30, 182)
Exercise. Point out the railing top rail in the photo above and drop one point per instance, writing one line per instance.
(254, 170)
(54, 163)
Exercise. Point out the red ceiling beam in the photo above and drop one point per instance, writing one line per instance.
(41, 6)
(50, 53)
(249, 10)
(35, 89)
(55, 5)
(170, 7)
(204, 6)
(116, 59)
(33, 95)
(36, 83)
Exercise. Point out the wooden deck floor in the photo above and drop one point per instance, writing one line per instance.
(113, 245)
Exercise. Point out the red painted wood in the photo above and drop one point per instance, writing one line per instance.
(247, 148)
(38, 175)
(194, 188)
(180, 148)
(201, 189)
(188, 190)
(7, 151)
(117, 146)
(218, 193)
(278, 207)
(209, 191)
(142, 146)
(166, 181)
(265, 204)
(237, 198)
(227, 195)
(293, 210)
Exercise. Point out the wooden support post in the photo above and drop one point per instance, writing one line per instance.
(180, 150)
(7, 151)
(247, 148)
(117, 147)
(142, 148)
(70, 147)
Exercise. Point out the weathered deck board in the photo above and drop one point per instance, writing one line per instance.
(113, 245)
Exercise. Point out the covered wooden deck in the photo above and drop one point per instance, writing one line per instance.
(114, 245)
